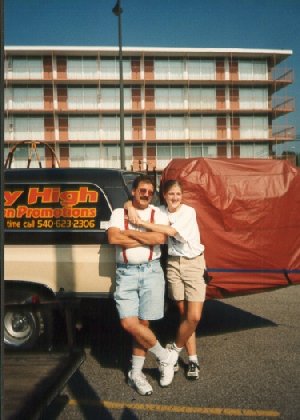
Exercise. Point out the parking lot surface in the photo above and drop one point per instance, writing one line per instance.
(249, 350)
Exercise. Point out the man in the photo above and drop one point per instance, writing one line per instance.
(140, 284)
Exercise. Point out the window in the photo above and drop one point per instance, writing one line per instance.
(110, 128)
(110, 98)
(203, 150)
(166, 152)
(163, 155)
(110, 68)
(178, 151)
(25, 128)
(201, 69)
(253, 98)
(23, 152)
(253, 70)
(26, 67)
(170, 128)
(202, 127)
(254, 150)
(27, 98)
(84, 156)
(82, 97)
(84, 128)
(111, 156)
(168, 69)
(202, 98)
(254, 127)
(82, 67)
(196, 150)
(169, 98)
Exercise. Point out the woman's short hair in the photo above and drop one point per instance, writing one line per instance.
(166, 186)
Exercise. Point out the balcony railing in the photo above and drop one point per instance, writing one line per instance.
(283, 132)
(283, 104)
(280, 74)
(217, 104)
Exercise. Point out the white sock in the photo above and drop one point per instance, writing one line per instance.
(160, 352)
(178, 349)
(194, 359)
(137, 364)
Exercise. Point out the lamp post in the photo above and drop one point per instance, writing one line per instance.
(117, 11)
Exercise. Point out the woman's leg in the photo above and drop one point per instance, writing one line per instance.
(190, 345)
(190, 315)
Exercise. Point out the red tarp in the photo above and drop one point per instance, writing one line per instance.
(248, 212)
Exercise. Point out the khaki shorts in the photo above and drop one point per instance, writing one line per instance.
(185, 278)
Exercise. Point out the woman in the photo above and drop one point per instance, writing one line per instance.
(185, 268)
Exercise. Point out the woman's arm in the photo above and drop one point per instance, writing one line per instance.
(166, 229)
(132, 213)
(135, 220)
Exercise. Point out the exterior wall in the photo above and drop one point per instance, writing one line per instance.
(177, 103)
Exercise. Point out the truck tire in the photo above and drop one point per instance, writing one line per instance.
(24, 328)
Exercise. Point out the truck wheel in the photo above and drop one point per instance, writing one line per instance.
(23, 328)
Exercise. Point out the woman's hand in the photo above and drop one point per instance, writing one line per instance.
(133, 216)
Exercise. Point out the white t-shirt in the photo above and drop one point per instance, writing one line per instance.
(138, 255)
(186, 243)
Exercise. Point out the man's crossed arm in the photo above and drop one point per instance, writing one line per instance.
(133, 238)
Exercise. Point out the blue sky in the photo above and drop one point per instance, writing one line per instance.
(269, 24)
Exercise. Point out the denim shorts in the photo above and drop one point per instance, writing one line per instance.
(140, 290)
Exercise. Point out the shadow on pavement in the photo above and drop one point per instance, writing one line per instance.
(82, 391)
(111, 346)
(103, 334)
(219, 318)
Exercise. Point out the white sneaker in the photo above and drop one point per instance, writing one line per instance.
(139, 383)
(166, 368)
(170, 346)
(176, 367)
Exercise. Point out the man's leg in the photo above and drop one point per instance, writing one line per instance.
(144, 338)
(140, 332)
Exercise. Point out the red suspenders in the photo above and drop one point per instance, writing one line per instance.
(151, 246)
(126, 227)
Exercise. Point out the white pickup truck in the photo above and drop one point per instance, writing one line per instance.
(55, 242)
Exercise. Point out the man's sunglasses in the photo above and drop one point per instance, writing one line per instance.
(145, 191)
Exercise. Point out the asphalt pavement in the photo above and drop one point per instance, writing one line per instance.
(249, 350)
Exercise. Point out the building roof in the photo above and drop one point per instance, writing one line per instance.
(280, 54)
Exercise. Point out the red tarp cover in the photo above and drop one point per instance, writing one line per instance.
(248, 212)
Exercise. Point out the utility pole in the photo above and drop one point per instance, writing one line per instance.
(117, 11)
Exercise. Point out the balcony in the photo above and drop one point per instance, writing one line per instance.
(283, 133)
(281, 77)
(282, 105)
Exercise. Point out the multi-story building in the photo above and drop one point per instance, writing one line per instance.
(178, 102)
